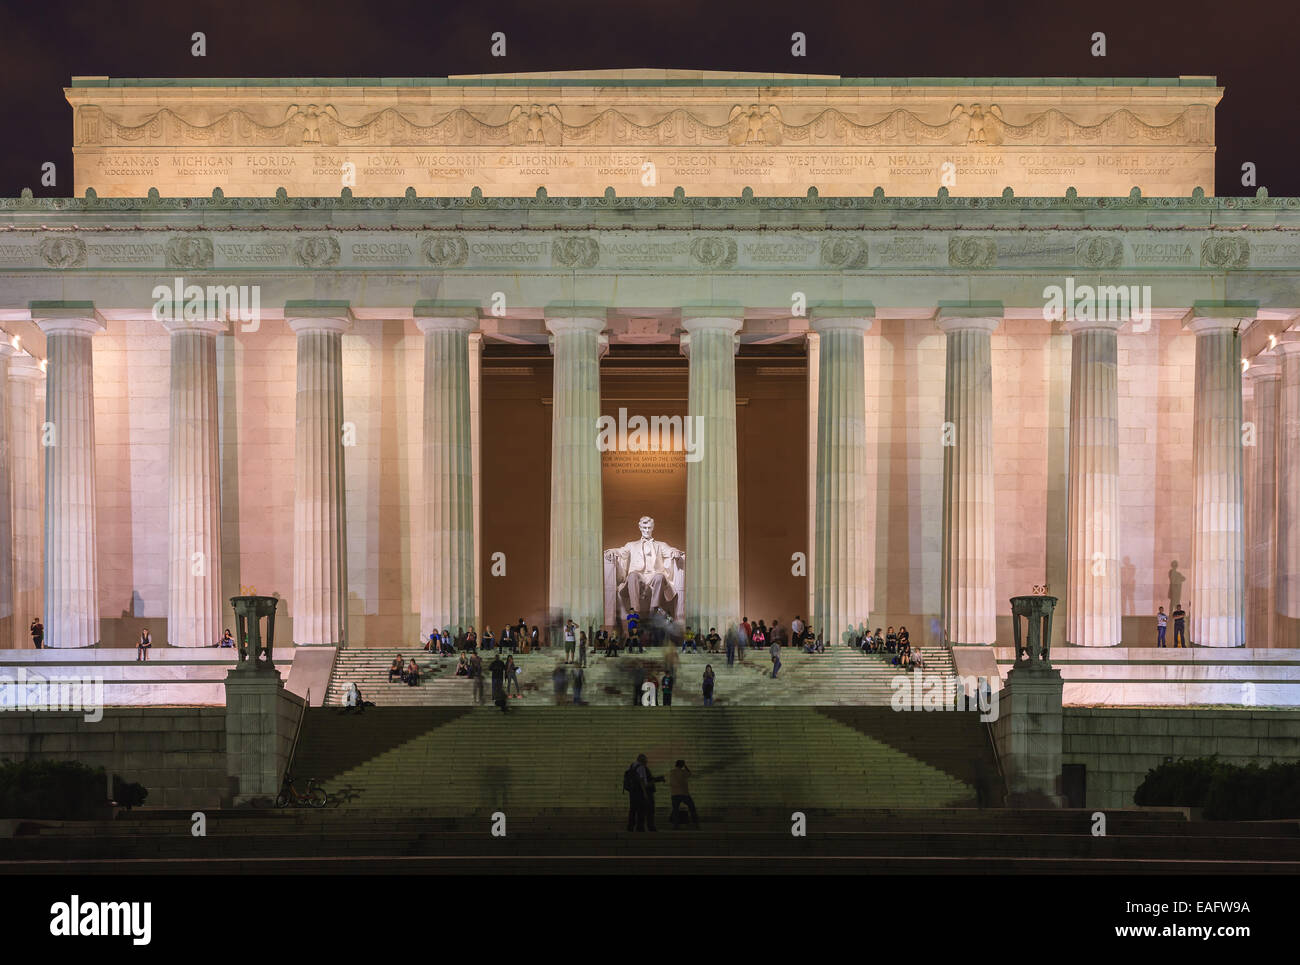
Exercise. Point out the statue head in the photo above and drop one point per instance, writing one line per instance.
(647, 525)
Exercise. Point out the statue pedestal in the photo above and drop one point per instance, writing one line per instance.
(1028, 736)
(261, 717)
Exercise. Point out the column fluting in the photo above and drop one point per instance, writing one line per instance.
(842, 567)
(26, 379)
(968, 573)
(447, 587)
(1216, 609)
(68, 440)
(194, 487)
(576, 569)
(1286, 622)
(1265, 378)
(712, 498)
(320, 572)
(1093, 609)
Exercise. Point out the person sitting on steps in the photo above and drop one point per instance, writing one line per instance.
(412, 674)
(397, 669)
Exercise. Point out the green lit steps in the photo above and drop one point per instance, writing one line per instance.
(534, 759)
(840, 677)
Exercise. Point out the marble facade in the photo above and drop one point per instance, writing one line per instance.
(809, 214)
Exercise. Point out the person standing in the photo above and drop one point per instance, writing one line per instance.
(679, 788)
(775, 651)
(570, 640)
(650, 782)
(634, 784)
(512, 677)
(142, 648)
(579, 678)
(560, 681)
(1162, 623)
(666, 687)
(707, 686)
(742, 639)
(38, 633)
(476, 674)
(498, 670)
(731, 646)
(1180, 626)
(796, 627)
(582, 649)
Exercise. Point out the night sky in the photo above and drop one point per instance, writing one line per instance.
(1252, 48)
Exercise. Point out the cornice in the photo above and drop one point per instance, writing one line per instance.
(609, 201)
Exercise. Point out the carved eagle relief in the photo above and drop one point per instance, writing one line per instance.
(313, 125)
(536, 125)
(753, 125)
(983, 127)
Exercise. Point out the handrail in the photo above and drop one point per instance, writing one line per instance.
(297, 733)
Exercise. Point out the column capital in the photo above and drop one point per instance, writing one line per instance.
(1288, 343)
(1078, 326)
(1265, 365)
(446, 323)
(27, 367)
(204, 326)
(968, 316)
(728, 318)
(440, 316)
(842, 317)
(318, 316)
(8, 346)
(67, 318)
(1209, 317)
(562, 323)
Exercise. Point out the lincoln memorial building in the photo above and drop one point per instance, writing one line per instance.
(418, 354)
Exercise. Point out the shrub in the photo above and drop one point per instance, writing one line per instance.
(1180, 783)
(128, 795)
(1225, 791)
(60, 790)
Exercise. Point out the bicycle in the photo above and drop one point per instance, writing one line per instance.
(314, 797)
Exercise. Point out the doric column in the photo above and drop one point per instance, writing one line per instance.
(1286, 629)
(1092, 610)
(968, 578)
(1216, 608)
(71, 565)
(447, 546)
(712, 514)
(26, 413)
(194, 487)
(320, 559)
(842, 549)
(576, 570)
(476, 448)
(1264, 377)
(813, 342)
(8, 350)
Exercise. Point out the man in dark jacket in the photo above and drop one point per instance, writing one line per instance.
(498, 670)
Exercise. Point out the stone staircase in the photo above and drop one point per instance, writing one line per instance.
(536, 758)
(842, 676)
